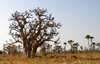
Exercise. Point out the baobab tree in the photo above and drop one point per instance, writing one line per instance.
(32, 28)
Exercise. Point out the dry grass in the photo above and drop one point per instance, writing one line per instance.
(89, 58)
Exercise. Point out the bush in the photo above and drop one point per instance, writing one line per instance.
(0, 52)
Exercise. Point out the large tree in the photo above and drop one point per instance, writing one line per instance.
(32, 28)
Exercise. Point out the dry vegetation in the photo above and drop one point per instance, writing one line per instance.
(89, 58)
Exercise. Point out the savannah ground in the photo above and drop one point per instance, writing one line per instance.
(84, 58)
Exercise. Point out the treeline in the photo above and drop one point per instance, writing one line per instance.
(13, 49)
(57, 49)
(46, 48)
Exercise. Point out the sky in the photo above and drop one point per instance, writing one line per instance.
(78, 18)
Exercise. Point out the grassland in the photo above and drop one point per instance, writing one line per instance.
(84, 58)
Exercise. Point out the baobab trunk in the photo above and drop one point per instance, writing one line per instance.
(23, 49)
(32, 52)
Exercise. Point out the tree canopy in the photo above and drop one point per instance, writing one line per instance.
(32, 28)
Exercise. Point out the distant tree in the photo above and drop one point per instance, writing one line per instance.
(75, 46)
(59, 49)
(33, 28)
(65, 47)
(70, 42)
(91, 37)
(88, 37)
(54, 51)
(81, 47)
(4, 48)
(49, 47)
(56, 42)
(43, 49)
(8, 48)
(19, 48)
(93, 45)
(98, 44)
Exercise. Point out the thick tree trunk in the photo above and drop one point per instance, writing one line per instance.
(32, 52)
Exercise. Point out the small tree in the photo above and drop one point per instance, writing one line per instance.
(75, 47)
(98, 44)
(91, 37)
(43, 49)
(93, 45)
(81, 47)
(70, 42)
(4, 48)
(65, 47)
(19, 48)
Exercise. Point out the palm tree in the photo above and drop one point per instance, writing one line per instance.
(98, 44)
(93, 43)
(70, 42)
(75, 46)
(59, 49)
(55, 43)
(91, 37)
(65, 47)
(81, 47)
(87, 37)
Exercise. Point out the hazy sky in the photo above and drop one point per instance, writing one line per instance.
(78, 17)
